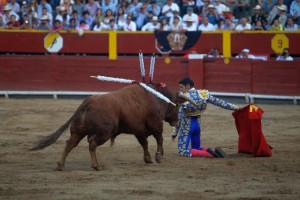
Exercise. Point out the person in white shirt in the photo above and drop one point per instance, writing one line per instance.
(169, 8)
(151, 26)
(245, 54)
(176, 25)
(192, 15)
(7, 12)
(100, 26)
(129, 25)
(206, 26)
(220, 7)
(189, 25)
(243, 26)
(285, 56)
(175, 14)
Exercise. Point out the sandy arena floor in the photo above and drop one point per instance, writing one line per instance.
(30, 175)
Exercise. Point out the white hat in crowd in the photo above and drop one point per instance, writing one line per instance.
(246, 50)
(211, 6)
(282, 7)
(7, 7)
(257, 7)
(227, 9)
(189, 19)
(154, 18)
(44, 17)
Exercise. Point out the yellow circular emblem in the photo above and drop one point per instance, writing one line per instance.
(167, 60)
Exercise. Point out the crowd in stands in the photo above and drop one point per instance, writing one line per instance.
(146, 15)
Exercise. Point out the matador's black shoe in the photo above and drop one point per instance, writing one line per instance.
(219, 151)
(213, 153)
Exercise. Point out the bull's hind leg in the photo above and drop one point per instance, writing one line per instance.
(160, 151)
(144, 142)
(71, 143)
(92, 148)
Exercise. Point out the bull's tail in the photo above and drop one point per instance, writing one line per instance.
(53, 137)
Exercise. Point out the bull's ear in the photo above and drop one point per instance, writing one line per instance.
(181, 98)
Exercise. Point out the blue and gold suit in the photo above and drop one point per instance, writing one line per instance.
(189, 126)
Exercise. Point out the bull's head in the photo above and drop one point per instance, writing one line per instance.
(171, 113)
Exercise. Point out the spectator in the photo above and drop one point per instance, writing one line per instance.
(228, 14)
(295, 11)
(141, 17)
(187, 4)
(281, 16)
(14, 6)
(125, 5)
(45, 12)
(76, 17)
(176, 14)
(220, 7)
(112, 25)
(83, 26)
(13, 23)
(67, 4)
(188, 25)
(191, 14)
(258, 17)
(215, 53)
(228, 25)
(204, 10)
(33, 18)
(276, 26)
(152, 26)
(44, 25)
(24, 9)
(199, 6)
(33, 9)
(98, 17)
(108, 16)
(240, 9)
(108, 5)
(63, 16)
(129, 25)
(245, 54)
(243, 26)
(7, 12)
(44, 4)
(169, 8)
(2, 24)
(161, 3)
(290, 26)
(285, 56)
(176, 25)
(87, 18)
(206, 26)
(78, 7)
(258, 26)
(212, 15)
(231, 4)
(92, 7)
(164, 25)
(154, 8)
(134, 8)
(274, 12)
(26, 25)
(100, 26)
(72, 24)
(57, 26)
(120, 18)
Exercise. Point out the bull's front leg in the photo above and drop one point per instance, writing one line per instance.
(144, 142)
(160, 151)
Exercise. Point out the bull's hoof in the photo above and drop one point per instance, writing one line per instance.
(148, 160)
(60, 166)
(158, 157)
(96, 168)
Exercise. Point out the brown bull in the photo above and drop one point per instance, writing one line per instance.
(131, 110)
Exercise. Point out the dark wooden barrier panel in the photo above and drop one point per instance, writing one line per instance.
(233, 77)
(276, 77)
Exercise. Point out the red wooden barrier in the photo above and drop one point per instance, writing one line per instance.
(72, 73)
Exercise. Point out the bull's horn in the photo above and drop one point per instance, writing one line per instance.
(187, 98)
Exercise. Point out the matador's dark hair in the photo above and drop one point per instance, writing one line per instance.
(187, 81)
